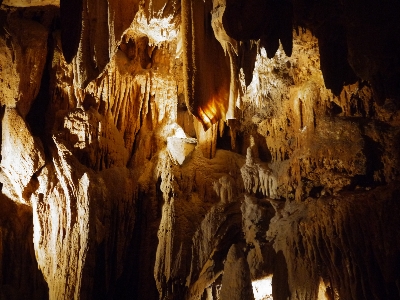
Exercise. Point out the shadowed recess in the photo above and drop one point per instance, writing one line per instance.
(71, 25)
(333, 54)
(269, 21)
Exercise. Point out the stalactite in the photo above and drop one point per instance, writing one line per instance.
(205, 66)
(258, 177)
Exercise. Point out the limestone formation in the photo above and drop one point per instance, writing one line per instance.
(236, 282)
(199, 149)
(22, 156)
(258, 177)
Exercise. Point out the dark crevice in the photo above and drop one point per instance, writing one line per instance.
(20, 277)
(280, 279)
(315, 191)
(224, 141)
(2, 111)
(374, 166)
(36, 117)
(335, 109)
(137, 238)
(100, 280)
(71, 26)
(138, 278)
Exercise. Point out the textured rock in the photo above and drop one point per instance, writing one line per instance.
(21, 157)
(236, 282)
(23, 45)
(90, 33)
(346, 234)
(179, 148)
(258, 177)
(27, 3)
(206, 68)
(69, 227)
(61, 226)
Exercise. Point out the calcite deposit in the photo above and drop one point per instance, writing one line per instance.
(216, 149)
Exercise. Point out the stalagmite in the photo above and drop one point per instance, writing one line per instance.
(236, 283)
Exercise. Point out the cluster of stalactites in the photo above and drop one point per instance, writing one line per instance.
(257, 177)
(217, 46)
(225, 188)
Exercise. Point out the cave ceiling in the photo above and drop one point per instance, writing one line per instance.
(353, 39)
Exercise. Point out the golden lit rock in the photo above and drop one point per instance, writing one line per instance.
(27, 3)
(23, 56)
(236, 283)
(206, 68)
(21, 157)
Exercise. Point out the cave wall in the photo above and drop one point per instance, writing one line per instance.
(188, 149)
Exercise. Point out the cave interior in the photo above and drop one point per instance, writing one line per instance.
(200, 149)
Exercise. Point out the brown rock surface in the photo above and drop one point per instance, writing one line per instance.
(23, 45)
(236, 282)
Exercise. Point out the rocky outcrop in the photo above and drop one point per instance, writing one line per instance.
(24, 49)
(236, 282)
(351, 230)
(22, 157)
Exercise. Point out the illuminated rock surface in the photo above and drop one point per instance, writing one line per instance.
(199, 150)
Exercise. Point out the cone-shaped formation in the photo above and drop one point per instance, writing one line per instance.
(236, 281)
